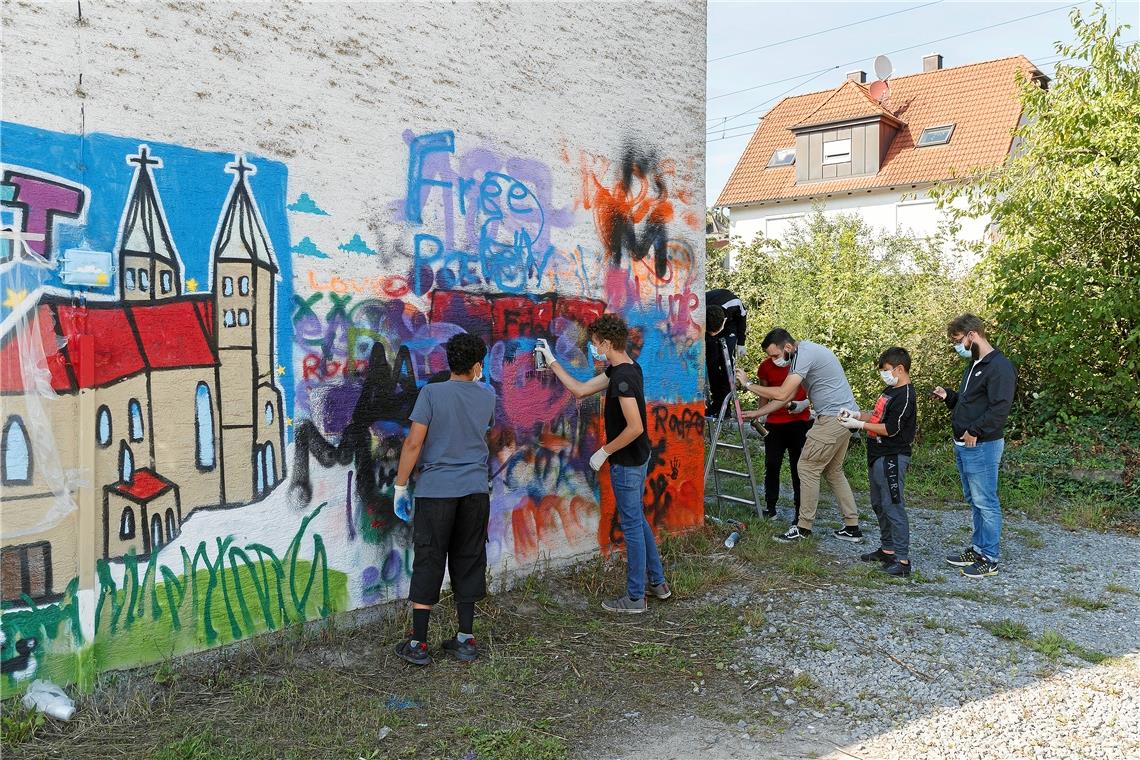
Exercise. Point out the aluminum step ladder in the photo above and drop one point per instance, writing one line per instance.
(731, 403)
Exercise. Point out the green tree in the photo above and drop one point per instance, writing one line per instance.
(1065, 264)
(836, 281)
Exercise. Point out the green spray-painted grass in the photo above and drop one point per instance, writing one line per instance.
(238, 593)
(62, 656)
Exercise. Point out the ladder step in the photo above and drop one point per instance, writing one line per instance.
(737, 473)
(737, 500)
(733, 446)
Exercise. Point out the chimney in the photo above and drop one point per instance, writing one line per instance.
(932, 62)
(860, 77)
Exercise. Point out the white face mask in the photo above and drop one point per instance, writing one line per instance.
(478, 378)
(783, 360)
(888, 376)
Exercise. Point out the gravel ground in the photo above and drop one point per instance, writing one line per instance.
(908, 670)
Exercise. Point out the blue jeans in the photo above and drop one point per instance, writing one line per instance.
(978, 468)
(640, 546)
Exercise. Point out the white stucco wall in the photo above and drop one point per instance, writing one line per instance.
(910, 210)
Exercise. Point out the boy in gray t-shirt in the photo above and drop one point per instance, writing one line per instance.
(825, 448)
(448, 438)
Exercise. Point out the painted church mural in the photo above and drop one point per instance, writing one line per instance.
(206, 373)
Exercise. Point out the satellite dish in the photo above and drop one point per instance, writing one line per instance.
(880, 91)
(883, 68)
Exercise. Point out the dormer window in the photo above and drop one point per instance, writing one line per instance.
(783, 157)
(935, 136)
(837, 152)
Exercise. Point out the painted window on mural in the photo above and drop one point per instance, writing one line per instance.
(144, 280)
(135, 411)
(259, 471)
(127, 524)
(270, 466)
(26, 570)
(243, 317)
(103, 427)
(171, 525)
(243, 286)
(17, 452)
(228, 318)
(129, 279)
(126, 463)
(155, 533)
(204, 427)
(268, 413)
(227, 286)
(167, 278)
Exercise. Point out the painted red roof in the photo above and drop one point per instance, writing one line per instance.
(127, 339)
(980, 99)
(145, 485)
(172, 335)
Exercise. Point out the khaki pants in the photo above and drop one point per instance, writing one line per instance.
(823, 455)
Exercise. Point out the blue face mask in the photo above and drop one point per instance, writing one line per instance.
(594, 355)
(963, 351)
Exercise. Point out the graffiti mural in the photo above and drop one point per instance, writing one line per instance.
(206, 371)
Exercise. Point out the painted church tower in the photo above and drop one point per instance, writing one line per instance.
(149, 267)
(245, 273)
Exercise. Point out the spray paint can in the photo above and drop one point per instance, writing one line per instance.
(733, 537)
(540, 364)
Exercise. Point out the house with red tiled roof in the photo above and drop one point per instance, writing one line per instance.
(875, 150)
(163, 400)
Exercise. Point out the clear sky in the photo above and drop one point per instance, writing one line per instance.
(790, 68)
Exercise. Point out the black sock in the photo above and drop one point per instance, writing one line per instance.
(466, 611)
(420, 623)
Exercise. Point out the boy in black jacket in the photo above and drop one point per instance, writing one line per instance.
(890, 430)
(979, 410)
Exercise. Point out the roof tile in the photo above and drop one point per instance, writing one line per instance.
(980, 99)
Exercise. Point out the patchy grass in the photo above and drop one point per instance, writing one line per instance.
(1120, 588)
(1050, 643)
(1053, 645)
(1030, 537)
(1007, 629)
(18, 724)
(553, 666)
(1084, 603)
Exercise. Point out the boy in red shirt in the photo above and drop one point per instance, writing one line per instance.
(787, 431)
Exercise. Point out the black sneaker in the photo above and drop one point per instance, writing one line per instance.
(897, 569)
(964, 558)
(878, 556)
(770, 514)
(981, 569)
(793, 534)
(849, 533)
(464, 651)
(417, 655)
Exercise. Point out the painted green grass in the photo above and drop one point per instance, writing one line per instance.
(155, 613)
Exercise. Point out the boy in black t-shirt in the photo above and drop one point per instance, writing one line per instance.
(890, 433)
(627, 448)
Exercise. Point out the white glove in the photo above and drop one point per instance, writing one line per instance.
(402, 503)
(542, 347)
(852, 423)
(599, 458)
(795, 407)
(845, 413)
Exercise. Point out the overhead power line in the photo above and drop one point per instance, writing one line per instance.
(899, 50)
(748, 129)
(821, 31)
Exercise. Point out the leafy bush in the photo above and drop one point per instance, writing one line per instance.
(836, 281)
(1065, 266)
